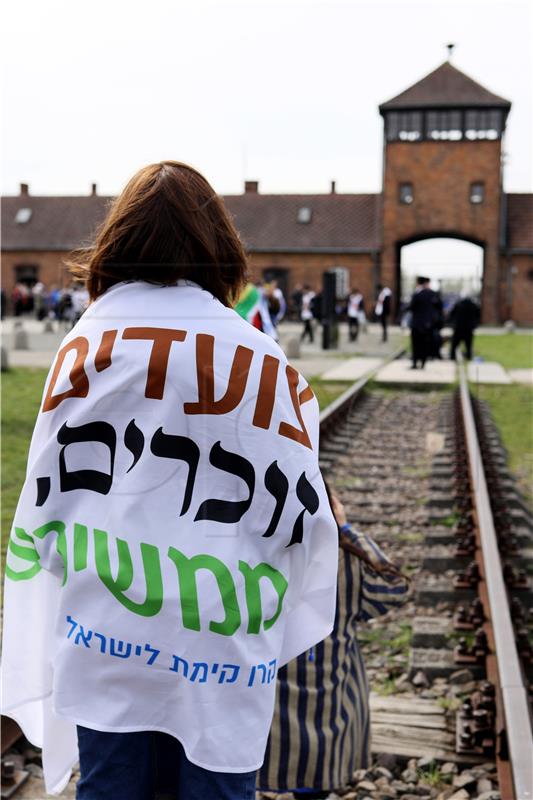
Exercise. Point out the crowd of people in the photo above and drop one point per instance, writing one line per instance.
(424, 314)
(306, 305)
(65, 304)
(426, 317)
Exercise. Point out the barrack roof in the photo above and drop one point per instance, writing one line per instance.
(266, 222)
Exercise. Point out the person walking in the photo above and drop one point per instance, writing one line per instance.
(321, 728)
(151, 592)
(354, 310)
(422, 308)
(382, 309)
(276, 295)
(464, 319)
(306, 313)
(296, 302)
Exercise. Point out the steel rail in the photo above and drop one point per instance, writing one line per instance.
(503, 666)
(332, 414)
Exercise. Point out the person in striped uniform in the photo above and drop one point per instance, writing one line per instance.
(320, 732)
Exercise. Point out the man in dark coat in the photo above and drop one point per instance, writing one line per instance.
(423, 315)
(464, 318)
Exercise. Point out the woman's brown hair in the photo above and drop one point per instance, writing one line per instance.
(167, 224)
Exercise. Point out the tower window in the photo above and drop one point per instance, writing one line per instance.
(444, 125)
(405, 126)
(483, 124)
(477, 192)
(406, 195)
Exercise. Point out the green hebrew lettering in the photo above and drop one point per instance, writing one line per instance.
(56, 526)
(187, 568)
(253, 593)
(26, 553)
(80, 546)
(117, 586)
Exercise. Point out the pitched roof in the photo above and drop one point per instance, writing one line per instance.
(339, 222)
(268, 223)
(56, 223)
(446, 86)
(520, 221)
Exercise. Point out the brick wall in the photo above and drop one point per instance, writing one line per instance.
(308, 268)
(304, 268)
(441, 173)
(50, 269)
(516, 289)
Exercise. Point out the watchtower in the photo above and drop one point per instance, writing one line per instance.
(442, 173)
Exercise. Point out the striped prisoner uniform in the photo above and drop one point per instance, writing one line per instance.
(321, 727)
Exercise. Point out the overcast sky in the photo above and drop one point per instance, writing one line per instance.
(285, 92)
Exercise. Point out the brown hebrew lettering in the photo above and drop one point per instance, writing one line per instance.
(78, 376)
(240, 368)
(267, 393)
(305, 395)
(157, 366)
(285, 429)
(102, 359)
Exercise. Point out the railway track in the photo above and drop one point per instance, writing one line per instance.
(424, 474)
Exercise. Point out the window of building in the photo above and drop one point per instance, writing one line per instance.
(444, 125)
(404, 126)
(477, 192)
(483, 124)
(23, 215)
(304, 215)
(406, 193)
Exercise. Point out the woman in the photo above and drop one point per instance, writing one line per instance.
(173, 544)
(320, 733)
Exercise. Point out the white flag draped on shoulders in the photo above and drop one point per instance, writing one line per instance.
(173, 545)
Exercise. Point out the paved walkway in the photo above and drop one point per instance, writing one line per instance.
(487, 372)
(522, 376)
(312, 361)
(348, 362)
(434, 372)
(352, 369)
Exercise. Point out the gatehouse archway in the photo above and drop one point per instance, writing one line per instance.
(453, 264)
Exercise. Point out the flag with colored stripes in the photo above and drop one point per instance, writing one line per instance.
(249, 305)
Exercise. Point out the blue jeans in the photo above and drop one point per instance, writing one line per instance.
(150, 765)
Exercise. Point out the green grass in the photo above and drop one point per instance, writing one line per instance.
(394, 641)
(511, 350)
(512, 411)
(327, 391)
(21, 397)
(386, 688)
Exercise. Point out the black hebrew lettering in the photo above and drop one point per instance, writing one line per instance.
(91, 479)
(309, 499)
(166, 445)
(43, 490)
(277, 484)
(134, 441)
(228, 510)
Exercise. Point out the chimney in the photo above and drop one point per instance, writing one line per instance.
(93, 189)
(24, 189)
(251, 187)
(333, 187)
